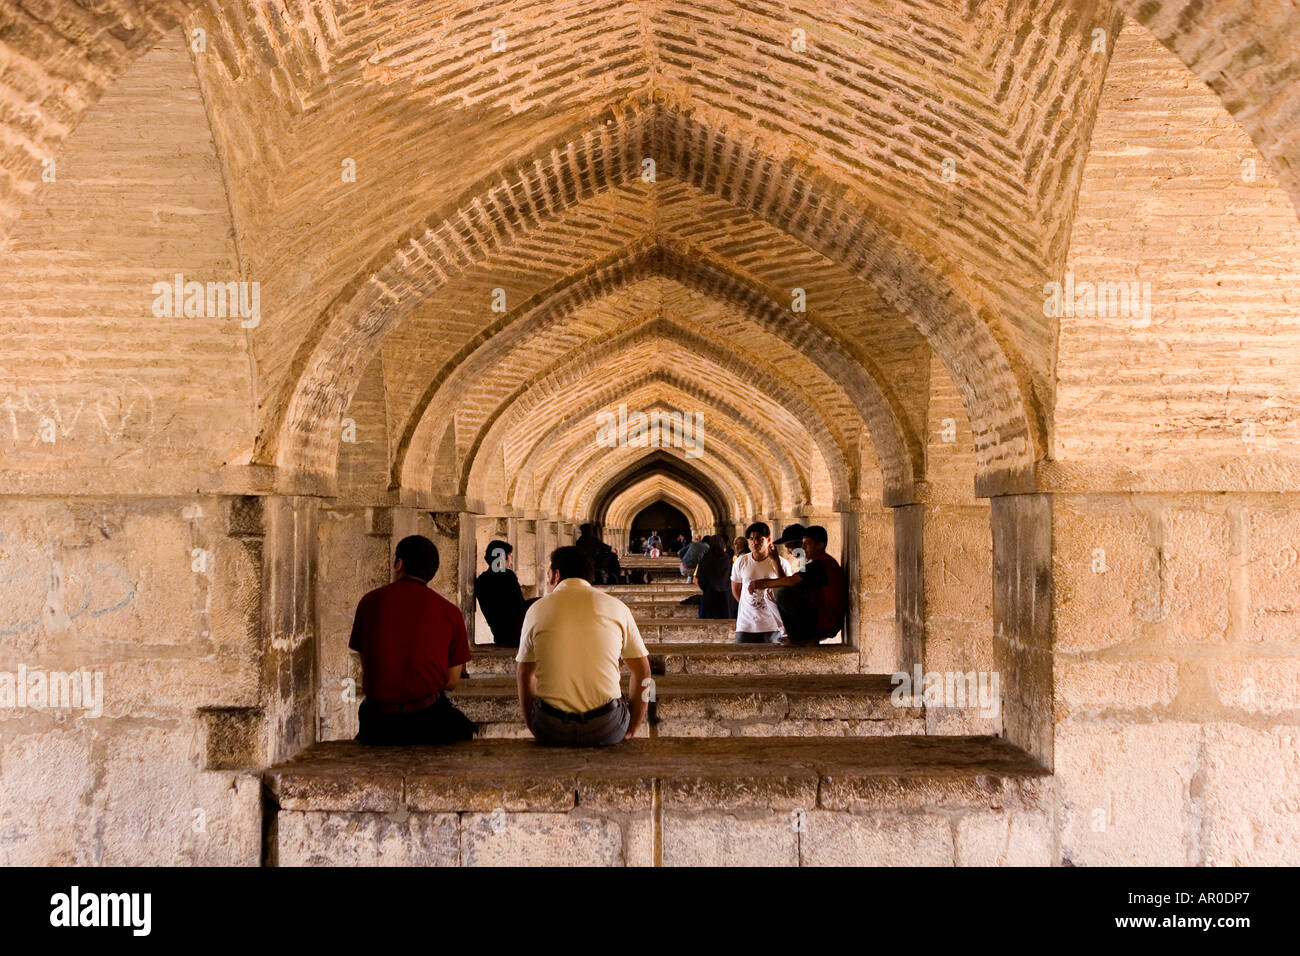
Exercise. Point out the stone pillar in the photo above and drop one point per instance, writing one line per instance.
(545, 545)
(957, 577)
(526, 556)
(1022, 619)
(1175, 682)
(353, 546)
(846, 552)
(288, 624)
(467, 569)
(909, 587)
(872, 581)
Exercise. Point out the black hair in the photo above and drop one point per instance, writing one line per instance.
(759, 527)
(572, 562)
(419, 557)
(817, 533)
(494, 546)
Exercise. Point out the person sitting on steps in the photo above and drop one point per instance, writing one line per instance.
(413, 644)
(500, 596)
(568, 662)
(757, 619)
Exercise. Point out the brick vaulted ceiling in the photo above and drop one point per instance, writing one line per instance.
(504, 147)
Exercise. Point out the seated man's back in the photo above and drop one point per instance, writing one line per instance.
(572, 643)
(412, 643)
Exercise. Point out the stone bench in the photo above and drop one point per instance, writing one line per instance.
(729, 802)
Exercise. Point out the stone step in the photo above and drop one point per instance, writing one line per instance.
(622, 591)
(689, 631)
(645, 561)
(657, 597)
(672, 612)
(706, 705)
(655, 600)
(715, 659)
(903, 800)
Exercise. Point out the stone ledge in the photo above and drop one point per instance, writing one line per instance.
(693, 773)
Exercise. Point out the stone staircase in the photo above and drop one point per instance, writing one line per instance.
(708, 686)
(873, 787)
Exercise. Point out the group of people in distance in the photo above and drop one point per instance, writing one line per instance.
(798, 599)
(572, 642)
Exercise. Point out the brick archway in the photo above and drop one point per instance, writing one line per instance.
(634, 498)
(544, 396)
(667, 473)
(898, 447)
(737, 454)
(529, 192)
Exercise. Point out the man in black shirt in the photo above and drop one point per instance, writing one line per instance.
(499, 595)
(603, 559)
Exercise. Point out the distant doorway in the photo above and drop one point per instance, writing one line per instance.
(661, 517)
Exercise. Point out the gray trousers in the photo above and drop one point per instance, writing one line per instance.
(551, 730)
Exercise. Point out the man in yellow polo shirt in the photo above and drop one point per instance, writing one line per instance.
(568, 662)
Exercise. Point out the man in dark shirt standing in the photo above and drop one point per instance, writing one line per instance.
(499, 595)
(413, 644)
(812, 601)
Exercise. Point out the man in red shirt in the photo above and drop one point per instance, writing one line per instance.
(413, 644)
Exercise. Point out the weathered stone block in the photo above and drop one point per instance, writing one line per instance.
(376, 792)
(882, 792)
(755, 838)
(540, 839)
(1273, 576)
(1264, 685)
(1125, 793)
(958, 559)
(1105, 573)
(367, 839)
(1012, 838)
(1250, 786)
(44, 804)
(1092, 687)
(682, 792)
(875, 839)
(1196, 576)
(485, 794)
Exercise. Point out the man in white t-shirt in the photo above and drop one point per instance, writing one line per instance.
(570, 647)
(757, 619)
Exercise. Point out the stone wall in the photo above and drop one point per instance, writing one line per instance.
(1175, 675)
(160, 601)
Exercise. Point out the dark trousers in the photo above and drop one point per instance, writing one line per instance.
(553, 730)
(798, 614)
(713, 604)
(439, 723)
(509, 635)
(756, 637)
